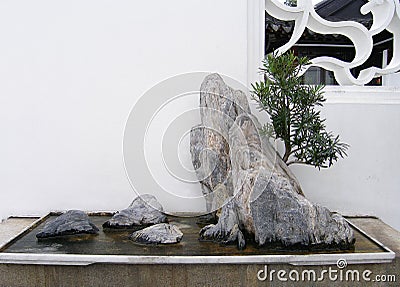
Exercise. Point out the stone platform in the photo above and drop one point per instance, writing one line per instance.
(196, 274)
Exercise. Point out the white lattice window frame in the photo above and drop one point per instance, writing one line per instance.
(386, 16)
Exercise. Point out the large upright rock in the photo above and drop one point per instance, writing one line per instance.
(144, 211)
(266, 200)
(219, 107)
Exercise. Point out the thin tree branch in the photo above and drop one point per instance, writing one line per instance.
(304, 163)
(298, 149)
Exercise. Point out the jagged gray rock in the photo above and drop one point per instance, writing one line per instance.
(162, 233)
(280, 215)
(226, 230)
(266, 201)
(72, 222)
(273, 210)
(144, 211)
(219, 107)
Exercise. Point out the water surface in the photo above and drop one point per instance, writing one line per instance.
(117, 243)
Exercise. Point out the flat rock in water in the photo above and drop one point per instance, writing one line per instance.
(226, 230)
(72, 222)
(144, 211)
(162, 233)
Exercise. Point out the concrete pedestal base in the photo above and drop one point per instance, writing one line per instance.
(213, 274)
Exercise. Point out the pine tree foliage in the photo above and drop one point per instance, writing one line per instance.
(294, 112)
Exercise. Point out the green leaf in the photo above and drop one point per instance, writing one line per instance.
(291, 107)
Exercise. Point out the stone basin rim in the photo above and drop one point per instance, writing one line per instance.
(387, 256)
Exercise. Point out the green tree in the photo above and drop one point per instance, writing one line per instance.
(292, 108)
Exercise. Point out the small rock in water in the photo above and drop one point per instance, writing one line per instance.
(144, 211)
(72, 222)
(162, 233)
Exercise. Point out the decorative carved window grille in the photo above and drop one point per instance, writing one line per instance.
(385, 17)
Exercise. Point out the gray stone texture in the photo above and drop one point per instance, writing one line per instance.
(219, 106)
(72, 222)
(162, 233)
(266, 201)
(144, 211)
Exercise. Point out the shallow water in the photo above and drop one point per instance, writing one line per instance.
(117, 243)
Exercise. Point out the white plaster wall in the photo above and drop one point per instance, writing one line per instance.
(70, 71)
(392, 80)
(367, 182)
